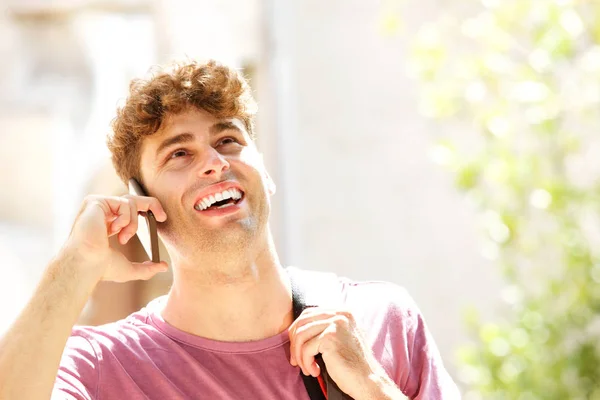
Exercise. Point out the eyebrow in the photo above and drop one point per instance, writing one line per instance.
(187, 137)
(223, 126)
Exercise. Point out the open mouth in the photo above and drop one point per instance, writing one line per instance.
(224, 199)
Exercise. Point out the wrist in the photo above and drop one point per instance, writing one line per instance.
(381, 387)
(70, 263)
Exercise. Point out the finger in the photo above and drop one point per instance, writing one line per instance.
(321, 314)
(146, 270)
(308, 353)
(307, 316)
(131, 228)
(301, 336)
(118, 211)
(315, 313)
(146, 203)
(311, 314)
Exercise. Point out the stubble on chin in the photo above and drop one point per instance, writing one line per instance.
(218, 243)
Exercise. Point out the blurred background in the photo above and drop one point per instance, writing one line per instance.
(449, 147)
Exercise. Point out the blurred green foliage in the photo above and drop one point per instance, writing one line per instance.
(518, 82)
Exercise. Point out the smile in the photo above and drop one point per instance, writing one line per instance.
(223, 199)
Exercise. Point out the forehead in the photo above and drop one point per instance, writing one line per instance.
(193, 121)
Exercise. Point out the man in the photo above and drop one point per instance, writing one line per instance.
(226, 330)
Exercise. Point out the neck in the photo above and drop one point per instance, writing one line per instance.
(221, 298)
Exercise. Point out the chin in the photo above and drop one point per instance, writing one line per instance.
(226, 239)
(225, 236)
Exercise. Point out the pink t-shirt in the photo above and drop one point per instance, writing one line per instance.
(143, 357)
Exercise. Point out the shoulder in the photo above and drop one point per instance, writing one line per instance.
(375, 303)
(376, 294)
(397, 332)
(127, 334)
(329, 288)
(91, 351)
(384, 310)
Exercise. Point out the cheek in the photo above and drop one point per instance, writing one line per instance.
(168, 203)
(175, 217)
(251, 157)
(252, 160)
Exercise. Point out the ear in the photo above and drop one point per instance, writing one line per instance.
(271, 187)
(270, 184)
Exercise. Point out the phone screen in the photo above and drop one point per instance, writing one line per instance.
(146, 231)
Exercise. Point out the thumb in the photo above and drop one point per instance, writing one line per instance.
(147, 269)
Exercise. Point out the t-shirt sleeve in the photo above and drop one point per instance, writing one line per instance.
(423, 375)
(78, 372)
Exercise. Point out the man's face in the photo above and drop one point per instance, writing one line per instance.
(211, 181)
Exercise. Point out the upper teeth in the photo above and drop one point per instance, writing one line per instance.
(211, 199)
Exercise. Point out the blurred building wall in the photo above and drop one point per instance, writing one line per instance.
(66, 66)
(70, 66)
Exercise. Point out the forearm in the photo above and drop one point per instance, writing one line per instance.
(31, 349)
(383, 388)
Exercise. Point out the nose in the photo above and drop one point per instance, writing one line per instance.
(214, 164)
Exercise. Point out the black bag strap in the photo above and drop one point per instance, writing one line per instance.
(298, 303)
(311, 289)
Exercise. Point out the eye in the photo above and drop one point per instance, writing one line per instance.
(179, 153)
(228, 140)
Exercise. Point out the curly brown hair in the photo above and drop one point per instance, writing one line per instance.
(215, 88)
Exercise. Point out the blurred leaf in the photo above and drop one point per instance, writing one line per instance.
(467, 175)
(521, 77)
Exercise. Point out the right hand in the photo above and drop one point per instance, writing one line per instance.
(101, 217)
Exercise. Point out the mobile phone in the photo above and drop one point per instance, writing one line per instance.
(146, 231)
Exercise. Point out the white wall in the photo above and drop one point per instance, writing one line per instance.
(361, 195)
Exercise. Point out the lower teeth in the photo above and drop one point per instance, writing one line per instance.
(225, 205)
